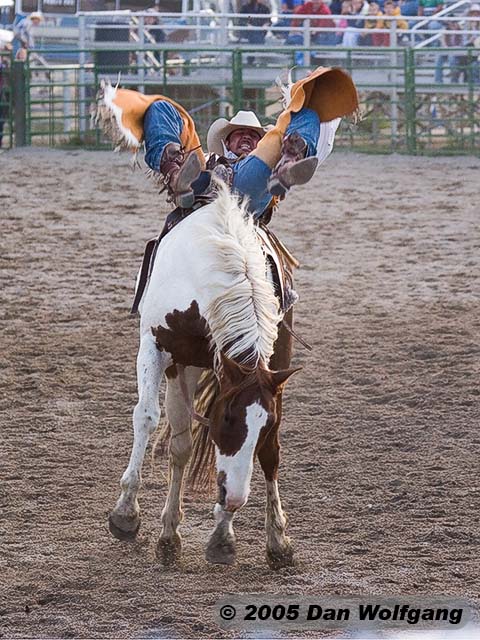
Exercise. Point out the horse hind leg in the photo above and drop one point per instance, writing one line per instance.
(124, 520)
(170, 544)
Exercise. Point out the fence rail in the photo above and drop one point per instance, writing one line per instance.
(219, 28)
(6, 109)
(405, 106)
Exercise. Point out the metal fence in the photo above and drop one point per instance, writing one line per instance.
(6, 111)
(218, 28)
(406, 108)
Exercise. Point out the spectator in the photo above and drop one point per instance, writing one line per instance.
(314, 8)
(409, 8)
(336, 7)
(256, 35)
(23, 32)
(342, 24)
(451, 37)
(284, 22)
(152, 21)
(469, 65)
(157, 34)
(472, 25)
(351, 35)
(390, 10)
(429, 8)
(373, 21)
(6, 8)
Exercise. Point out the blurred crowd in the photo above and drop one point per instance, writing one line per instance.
(352, 23)
(347, 23)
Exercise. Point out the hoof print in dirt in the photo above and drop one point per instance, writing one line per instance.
(123, 528)
(169, 550)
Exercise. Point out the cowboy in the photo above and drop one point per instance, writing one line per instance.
(23, 34)
(261, 162)
(257, 162)
(234, 144)
(238, 142)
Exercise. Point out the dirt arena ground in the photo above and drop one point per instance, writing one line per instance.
(381, 446)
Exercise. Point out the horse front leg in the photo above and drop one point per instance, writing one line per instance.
(124, 520)
(180, 447)
(279, 546)
(230, 498)
(221, 544)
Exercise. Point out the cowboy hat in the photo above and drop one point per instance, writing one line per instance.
(222, 128)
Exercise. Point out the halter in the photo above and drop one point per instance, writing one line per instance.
(247, 382)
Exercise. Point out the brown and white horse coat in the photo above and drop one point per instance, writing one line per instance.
(210, 304)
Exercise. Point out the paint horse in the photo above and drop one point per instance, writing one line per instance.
(210, 304)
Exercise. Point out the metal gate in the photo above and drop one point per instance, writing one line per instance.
(6, 111)
(404, 108)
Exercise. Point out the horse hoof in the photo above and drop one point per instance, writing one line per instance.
(123, 528)
(221, 553)
(169, 550)
(280, 557)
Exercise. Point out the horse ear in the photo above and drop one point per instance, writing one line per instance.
(231, 370)
(279, 378)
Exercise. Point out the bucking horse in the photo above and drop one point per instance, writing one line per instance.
(214, 322)
(211, 304)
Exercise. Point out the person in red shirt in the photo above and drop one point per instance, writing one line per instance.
(316, 8)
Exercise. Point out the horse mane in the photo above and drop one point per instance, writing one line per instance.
(243, 319)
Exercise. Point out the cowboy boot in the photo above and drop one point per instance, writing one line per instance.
(293, 167)
(179, 173)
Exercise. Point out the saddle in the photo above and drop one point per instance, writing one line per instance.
(173, 218)
(282, 263)
(279, 258)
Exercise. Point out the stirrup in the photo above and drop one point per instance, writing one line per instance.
(299, 172)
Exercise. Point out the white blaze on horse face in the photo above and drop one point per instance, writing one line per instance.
(238, 468)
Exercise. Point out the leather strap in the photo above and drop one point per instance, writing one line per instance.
(150, 249)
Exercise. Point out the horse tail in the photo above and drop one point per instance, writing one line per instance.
(201, 474)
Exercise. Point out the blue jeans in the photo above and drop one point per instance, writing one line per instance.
(453, 62)
(163, 124)
(251, 175)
